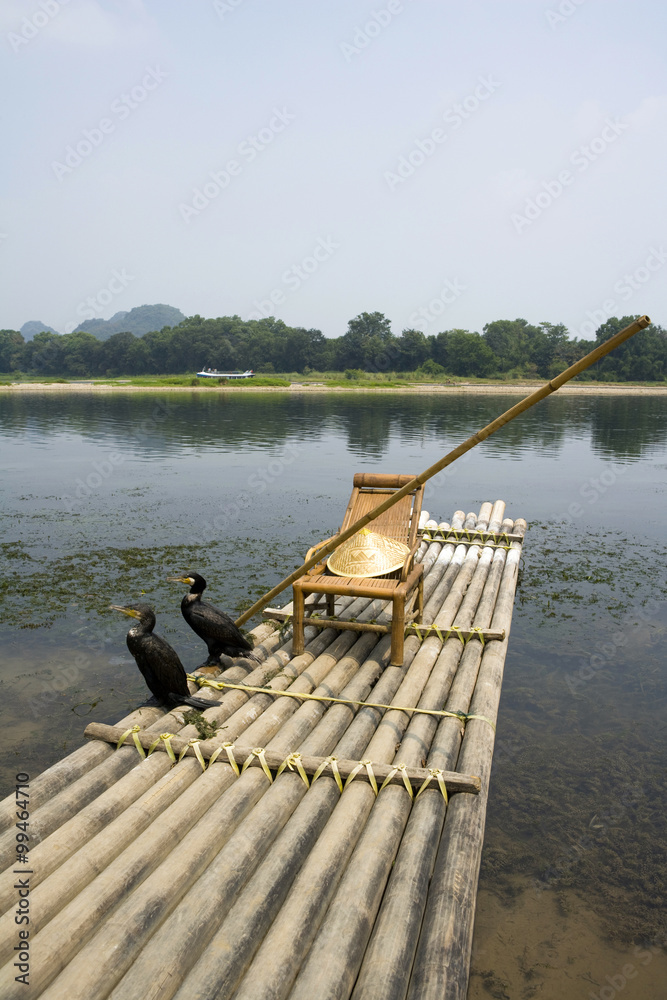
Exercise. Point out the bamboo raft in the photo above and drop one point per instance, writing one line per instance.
(351, 872)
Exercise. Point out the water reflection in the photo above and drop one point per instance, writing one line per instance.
(618, 426)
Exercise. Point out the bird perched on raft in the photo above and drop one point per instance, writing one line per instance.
(159, 663)
(217, 629)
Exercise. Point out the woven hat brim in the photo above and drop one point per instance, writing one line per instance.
(368, 554)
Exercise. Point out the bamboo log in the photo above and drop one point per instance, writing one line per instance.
(442, 961)
(364, 627)
(245, 753)
(177, 944)
(336, 954)
(81, 762)
(104, 959)
(237, 941)
(123, 869)
(277, 962)
(481, 435)
(385, 971)
(83, 791)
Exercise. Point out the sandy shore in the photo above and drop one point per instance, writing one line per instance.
(410, 389)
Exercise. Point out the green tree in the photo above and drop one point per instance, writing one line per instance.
(414, 350)
(368, 344)
(463, 353)
(11, 350)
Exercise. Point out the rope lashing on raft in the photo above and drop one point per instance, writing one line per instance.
(423, 632)
(302, 696)
(468, 535)
(292, 762)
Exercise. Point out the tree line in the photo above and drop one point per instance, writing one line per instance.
(504, 349)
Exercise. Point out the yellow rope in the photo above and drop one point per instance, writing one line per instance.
(292, 761)
(302, 696)
(368, 764)
(406, 781)
(133, 731)
(453, 536)
(434, 772)
(259, 753)
(198, 754)
(166, 738)
(447, 633)
(330, 762)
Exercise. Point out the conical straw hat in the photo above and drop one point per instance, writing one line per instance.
(367, 554)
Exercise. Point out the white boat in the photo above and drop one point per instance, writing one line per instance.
(213, 373)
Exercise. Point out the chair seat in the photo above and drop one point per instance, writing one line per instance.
(400, 522)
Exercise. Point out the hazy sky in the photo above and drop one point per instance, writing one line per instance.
(445, 163)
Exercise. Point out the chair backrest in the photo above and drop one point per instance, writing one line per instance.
(401, 521)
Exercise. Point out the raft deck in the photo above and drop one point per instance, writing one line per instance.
(351, 873)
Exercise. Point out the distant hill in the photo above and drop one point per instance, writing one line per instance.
(140, 320)
(33, 327)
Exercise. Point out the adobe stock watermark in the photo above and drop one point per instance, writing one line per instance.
(561, 13)
(606, 816)
(624, 288)
(93, 306)
(629, 971)
(581, 158)
(424, 149)
(31, 25)
(422, 318)
(294, 277)
(66, 677)
(102, 469)
(258, 482)
(121, 108)
(248, 150)
(606, 652)
(366, 33)
(592, 489)
(224, 7)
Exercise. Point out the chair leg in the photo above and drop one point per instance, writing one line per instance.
(397, 629)
(331, 605)
(420, 599)
(298, 602)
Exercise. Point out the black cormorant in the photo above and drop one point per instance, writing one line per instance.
(212, 625)
(159, 663)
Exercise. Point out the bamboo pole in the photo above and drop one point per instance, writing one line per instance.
(115, 848)
(385, 971)
(245, 755)
(495, 425)
(334, 959)
(177, 945)
(165, 875)
(82, 761)
(279, 958)
(106, 767)
(236, 942)
(442, 961)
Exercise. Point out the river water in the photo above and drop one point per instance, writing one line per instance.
(105, 496)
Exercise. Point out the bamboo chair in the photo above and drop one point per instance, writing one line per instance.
(403, 587)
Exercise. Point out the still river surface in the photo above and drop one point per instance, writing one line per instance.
(104, 496)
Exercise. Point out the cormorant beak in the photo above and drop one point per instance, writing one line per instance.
(180, 579)
(126, 611)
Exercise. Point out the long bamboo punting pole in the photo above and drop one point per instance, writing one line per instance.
(495, 425)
